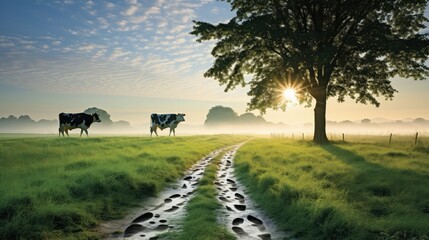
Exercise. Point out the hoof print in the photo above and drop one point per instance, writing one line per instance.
(239, 230)
(237, 221)
(161, 227)
(133, 229)
(255, 220)
(230, 181)
(144, 217)
(172, 209)
(175, 196)
(239, 196)
(240, 207)
(265, 236)
(223, 199)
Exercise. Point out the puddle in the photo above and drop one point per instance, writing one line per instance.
(165, 212)
(239, 213)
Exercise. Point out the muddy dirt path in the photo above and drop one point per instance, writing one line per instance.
(239, 213)
(166, 212)
(169, 208)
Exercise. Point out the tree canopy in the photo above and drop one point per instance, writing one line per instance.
(102, 114)
(220, 115)
(322, 48)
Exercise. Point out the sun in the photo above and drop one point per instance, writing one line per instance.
(289, 94)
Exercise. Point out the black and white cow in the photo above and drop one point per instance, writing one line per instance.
(70, 121)
(162, 121)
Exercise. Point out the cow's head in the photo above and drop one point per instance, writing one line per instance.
(181, 117)
(95, 117)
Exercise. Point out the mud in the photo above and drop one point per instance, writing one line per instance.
(170, 210)
(163, 213)
(239, 213)
(166, 212)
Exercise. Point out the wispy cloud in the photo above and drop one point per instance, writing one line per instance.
(118, 53)
(110, 5)
(88, 47)
(131, 10)
(125, 48)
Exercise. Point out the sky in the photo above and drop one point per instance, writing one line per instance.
(135, 57)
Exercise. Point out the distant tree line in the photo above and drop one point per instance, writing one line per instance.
(220, 115)
(25, 122)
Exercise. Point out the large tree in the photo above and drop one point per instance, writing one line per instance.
(323, 48)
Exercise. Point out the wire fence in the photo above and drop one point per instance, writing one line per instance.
(417, 138)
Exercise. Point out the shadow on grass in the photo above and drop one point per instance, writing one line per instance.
(377, 179)
(357, 160)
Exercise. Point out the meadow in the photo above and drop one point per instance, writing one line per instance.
(62, 188)
(364, 188)
(367, 189)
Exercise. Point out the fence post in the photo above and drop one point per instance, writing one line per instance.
(390, 139)
(415, 141)
(343, 137)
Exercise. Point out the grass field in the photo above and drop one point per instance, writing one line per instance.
(61, 188)
(368, 190)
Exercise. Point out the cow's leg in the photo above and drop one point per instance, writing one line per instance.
(154, 129)
(81, 131)
(67, 132)
(170, 132)
(86, 131)
(174, 131)
(61, 130)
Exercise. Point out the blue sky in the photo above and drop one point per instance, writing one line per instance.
(131, 58)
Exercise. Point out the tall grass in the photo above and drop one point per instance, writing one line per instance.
(61, 188)
(340, 191)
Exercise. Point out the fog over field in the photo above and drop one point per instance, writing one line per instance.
(221, 120)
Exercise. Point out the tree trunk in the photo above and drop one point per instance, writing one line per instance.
(319, 93)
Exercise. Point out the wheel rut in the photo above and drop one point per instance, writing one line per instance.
(239, 214)
(169, 208)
